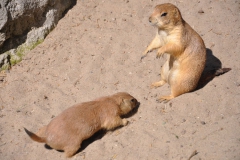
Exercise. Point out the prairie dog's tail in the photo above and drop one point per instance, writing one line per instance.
(221, 71)
(35, 137)
(209, 75)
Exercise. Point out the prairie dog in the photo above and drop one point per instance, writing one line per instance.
(79, 122)
(185, 48)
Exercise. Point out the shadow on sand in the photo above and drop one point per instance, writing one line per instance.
(212, 68)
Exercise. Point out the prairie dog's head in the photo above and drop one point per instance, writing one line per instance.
(126, 102)
(165, 16)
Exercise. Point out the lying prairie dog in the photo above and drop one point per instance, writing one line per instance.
(79, 122)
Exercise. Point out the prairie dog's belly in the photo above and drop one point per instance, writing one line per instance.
(173, 70)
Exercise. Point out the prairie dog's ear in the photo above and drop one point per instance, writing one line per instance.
(176, 12)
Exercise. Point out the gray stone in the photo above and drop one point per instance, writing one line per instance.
(27, 21)
(4, 59)
(2, 38)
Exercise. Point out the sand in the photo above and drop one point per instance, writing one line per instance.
(95, 51)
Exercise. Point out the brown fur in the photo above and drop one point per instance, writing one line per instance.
(185, 48)
(79, 122)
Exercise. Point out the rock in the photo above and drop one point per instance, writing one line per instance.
(28, 21)
(2, 38)
(4, 60)
(200, 11)
(203, 123)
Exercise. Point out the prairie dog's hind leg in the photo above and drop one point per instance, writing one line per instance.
(164, 76)
(177, 88)
(175, 91)
(70, 152)
(158, 84)
(165, 99)
(72, 149)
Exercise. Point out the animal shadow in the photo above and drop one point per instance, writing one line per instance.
(211, 66)
(212, 62)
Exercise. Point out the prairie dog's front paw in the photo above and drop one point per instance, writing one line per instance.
(161, 51)
(145, 53)
(159, 54)
(142, 57)
(125, 122)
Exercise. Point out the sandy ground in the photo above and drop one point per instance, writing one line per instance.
(95, 51)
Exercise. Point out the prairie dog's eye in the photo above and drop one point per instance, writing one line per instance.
(164, 14)
(133, 100)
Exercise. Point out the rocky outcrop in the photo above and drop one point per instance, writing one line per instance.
(28, 21)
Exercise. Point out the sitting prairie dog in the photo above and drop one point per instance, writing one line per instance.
(79, 122)
(185, 48)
